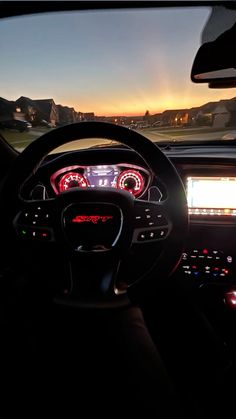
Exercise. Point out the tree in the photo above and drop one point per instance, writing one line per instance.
(147, 116)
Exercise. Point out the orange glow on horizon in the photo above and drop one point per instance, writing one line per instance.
(140, 101)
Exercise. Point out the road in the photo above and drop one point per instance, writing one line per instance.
(21, 140)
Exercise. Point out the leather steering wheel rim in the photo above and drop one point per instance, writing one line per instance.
(160, 166)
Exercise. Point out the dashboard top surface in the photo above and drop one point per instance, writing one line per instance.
(85, 166)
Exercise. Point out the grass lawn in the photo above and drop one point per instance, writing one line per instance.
(188, 131)
(20, 140)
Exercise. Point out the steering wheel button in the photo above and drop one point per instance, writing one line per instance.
(40, 234)
(45, 235)
(161, 234)
(24, 232)
(142, 236)
(152, 235)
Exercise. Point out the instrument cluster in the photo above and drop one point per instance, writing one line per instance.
(134, 179)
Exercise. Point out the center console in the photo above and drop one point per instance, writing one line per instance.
(208, 264)
(210, 254)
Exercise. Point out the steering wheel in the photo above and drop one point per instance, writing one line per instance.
(97, 227)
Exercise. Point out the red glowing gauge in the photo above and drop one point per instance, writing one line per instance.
(131, 181)
(72, 180)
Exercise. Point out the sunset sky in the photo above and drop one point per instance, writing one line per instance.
(110, 63)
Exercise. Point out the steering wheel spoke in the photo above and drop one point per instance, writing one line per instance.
(152, 221)
(94, 282)
(34, 221)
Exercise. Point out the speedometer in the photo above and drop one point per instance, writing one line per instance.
(131, 181)
(72, 180)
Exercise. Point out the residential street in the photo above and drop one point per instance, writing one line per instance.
(21, 140)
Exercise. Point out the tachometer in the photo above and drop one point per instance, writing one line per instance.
(72, 180)
(131, 181)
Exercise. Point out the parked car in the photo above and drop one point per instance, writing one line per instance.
(133, 126)
(44, 123)
(16, 124)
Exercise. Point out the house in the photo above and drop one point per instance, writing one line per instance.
(224, 114)
(89, 116)
(38, 110)
(47, 110)
(182, 117)
(231, 107)
(28, 108)
(168, 117)
(204, 116)
(192, 116)
(80, 116)
(156, 119)
(66, 115)
(172, 117)
(7, 109)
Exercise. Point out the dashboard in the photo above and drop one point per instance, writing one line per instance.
(210, 182)
(211, 191)
(206, 195)
(208, 264)
(134, 179)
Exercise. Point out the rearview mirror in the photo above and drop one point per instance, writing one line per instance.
(215, 62)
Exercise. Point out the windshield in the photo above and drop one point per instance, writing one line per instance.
(126, 67)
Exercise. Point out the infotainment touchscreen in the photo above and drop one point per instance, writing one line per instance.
(211, 195)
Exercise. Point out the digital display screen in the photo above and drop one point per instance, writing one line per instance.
(102, 176)
(211, 195)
